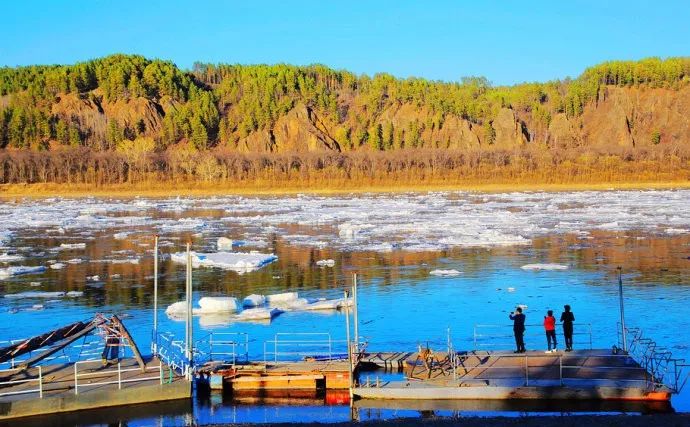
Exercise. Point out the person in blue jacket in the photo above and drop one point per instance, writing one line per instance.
(518, 329)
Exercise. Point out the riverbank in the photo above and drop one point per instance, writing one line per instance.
(667, 420)
(200, 189)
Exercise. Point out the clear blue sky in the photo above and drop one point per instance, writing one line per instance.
(506, 41)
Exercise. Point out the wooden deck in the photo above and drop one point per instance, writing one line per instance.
(582, 374)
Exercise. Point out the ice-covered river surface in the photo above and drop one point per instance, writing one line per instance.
(403, 246)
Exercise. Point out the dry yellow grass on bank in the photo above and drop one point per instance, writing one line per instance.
(170, 189)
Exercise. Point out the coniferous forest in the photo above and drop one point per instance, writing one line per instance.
(128, 119)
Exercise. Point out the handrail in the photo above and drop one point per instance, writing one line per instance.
(478, 337)
(12, 382)
(562, 368)
(299, 348)
(658, 361)
(119, 370)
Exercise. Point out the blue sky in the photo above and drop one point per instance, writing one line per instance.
(505, 41)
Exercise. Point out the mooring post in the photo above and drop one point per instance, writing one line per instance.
(188, 323)
(154, 341)
(349, 347)
(622, 309)
(355, 314)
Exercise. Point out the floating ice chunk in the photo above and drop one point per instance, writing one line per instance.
(130, 260)
(224, 244)
(296, 304)
(218, 304)
(74, 294)
(325, 263)
(352, 231)
(120, 236)
(254, 300)
(674, 231)
(73, 246)
(74, 261)
(284, 297)
(31, 294)
(37, 307)
(5, 237)
(176, 308)
(445, 273)
(35, 284)
(16, 271)
(544, 267)
(511, 289)
(57, 266)
(207, 305)
(95, 278)
(7, 257)
(237, 261)
(261, 313)
(327, 304)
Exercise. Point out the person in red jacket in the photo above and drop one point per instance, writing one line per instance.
(550, 328)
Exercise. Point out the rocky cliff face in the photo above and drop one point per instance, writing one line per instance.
(620, 117)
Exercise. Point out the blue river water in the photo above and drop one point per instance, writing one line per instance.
(401, 305)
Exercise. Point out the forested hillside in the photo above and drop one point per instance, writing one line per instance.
(128, 118)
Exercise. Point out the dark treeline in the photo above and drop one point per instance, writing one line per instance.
(230, 168)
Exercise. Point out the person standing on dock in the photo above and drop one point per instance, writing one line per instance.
(567, 317)
(518, 329)
(550, 328)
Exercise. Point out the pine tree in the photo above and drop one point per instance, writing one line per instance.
(199, 134)
(374, 137)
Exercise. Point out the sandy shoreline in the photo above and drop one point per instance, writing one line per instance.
(126, 191)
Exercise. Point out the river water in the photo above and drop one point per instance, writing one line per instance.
(396, 243)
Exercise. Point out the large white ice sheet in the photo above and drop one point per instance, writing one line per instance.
(237, 261)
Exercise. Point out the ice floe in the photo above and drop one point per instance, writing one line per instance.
(254, 300)
(237, 261)
(207, 305)
(7, 257)
(22, 295)
(365, 222)
(445, 273)
(57, 266)
(544, 267)
(262, 313)
(325, 263)
(224, 244)
(19, 270)
(72, 246)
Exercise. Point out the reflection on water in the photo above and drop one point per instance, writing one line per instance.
(401, 305)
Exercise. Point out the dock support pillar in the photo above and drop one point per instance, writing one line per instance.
(622, 310)
(154, 341)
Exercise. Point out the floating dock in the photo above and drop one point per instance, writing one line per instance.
(577, 375)
(299, 375)
(77, 386)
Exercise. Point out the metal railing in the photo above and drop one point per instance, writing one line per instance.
(562, 361)
(662, 366)
(300, 345)
(226, 344)
(172, 352)
(107, 373)
(15, 361)
(501, 337)
(39, 380)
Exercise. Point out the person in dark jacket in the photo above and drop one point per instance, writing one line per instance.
(567, 318)
(518, 329)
